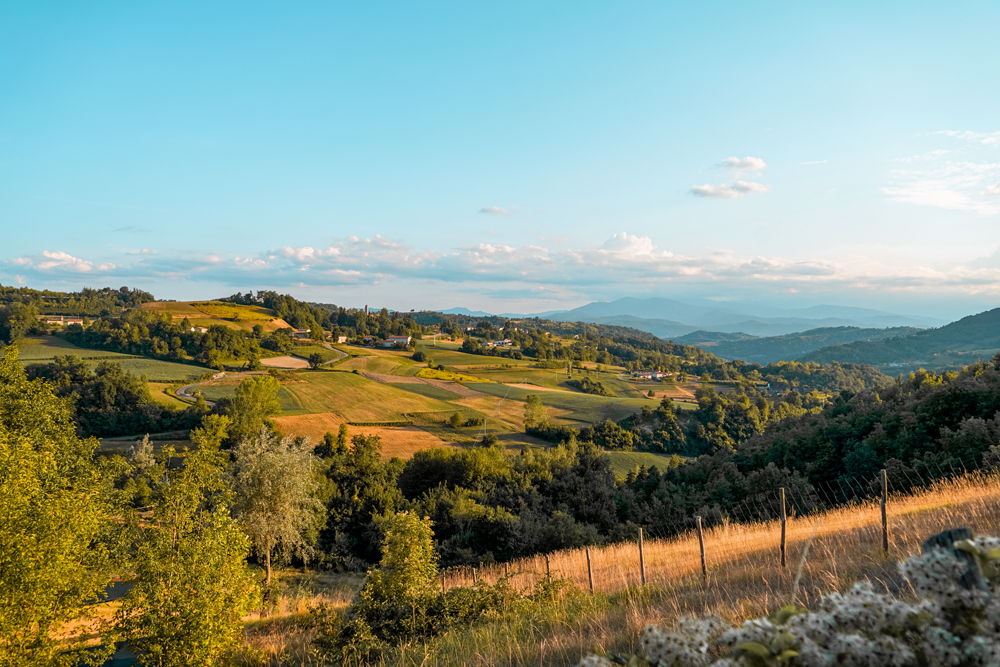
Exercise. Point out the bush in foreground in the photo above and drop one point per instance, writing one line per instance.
(954, 623)
(400, 601)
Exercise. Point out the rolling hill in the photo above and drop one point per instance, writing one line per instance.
(951, 346)
(207, 313)
(773, 349)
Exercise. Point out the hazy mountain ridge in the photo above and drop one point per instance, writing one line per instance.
(952, 345)
(784, 348)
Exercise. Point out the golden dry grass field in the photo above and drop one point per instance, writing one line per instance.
(745, 581)
(397, 441)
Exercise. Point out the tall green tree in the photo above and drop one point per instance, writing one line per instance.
(250, 409)
(535, 413)
(274, 480)
(57, 547)
(192, 584)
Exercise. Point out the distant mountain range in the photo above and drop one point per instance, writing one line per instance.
(668, 319)
(950, 346)
(784, 348)
(763, 334)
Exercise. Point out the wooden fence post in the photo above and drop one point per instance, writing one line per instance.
(885, 496)
(783, 520)
(590, 572)
(701, 544)
(548, 569)
(642, 561)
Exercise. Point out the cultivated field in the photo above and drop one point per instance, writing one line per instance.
(397, 441)
(43, 349)
(284, 362)
(577, 406)
(207, 313)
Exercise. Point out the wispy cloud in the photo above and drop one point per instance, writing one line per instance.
(494, 210)
(734, 191)
(59, 261)
(744, 163)
(984, 138)
(951, 178)
(958, 186)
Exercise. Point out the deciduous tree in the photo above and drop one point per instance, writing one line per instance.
(56, 534)
(192, 585)
(274, 481)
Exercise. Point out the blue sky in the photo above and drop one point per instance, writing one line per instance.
(505, 156)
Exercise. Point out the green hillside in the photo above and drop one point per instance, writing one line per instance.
(949, 347)
(773, 349)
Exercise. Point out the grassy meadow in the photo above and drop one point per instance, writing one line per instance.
(622, 463)
(745, 580)
(40, 350)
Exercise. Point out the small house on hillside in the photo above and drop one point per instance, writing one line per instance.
(341, 339)
(200, 329)
(301, 333)
(404, 340)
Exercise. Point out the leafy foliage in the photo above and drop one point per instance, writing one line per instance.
(274, 485)
(108, 401)
(192, 585)
(58, 542)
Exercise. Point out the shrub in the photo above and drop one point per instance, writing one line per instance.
(400, 601)
(954, 623)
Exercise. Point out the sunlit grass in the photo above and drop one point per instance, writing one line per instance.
(745, 580)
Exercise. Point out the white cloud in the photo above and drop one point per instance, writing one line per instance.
(744, 164)
(734, 191)
(957, 186)
(145, 251)
(992, 190)
(493, 210)
(65, 261)
(984, 138)
(623, 263)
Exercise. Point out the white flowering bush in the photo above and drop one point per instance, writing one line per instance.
(955, 623)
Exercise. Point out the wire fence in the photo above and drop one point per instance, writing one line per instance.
(873, 515)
